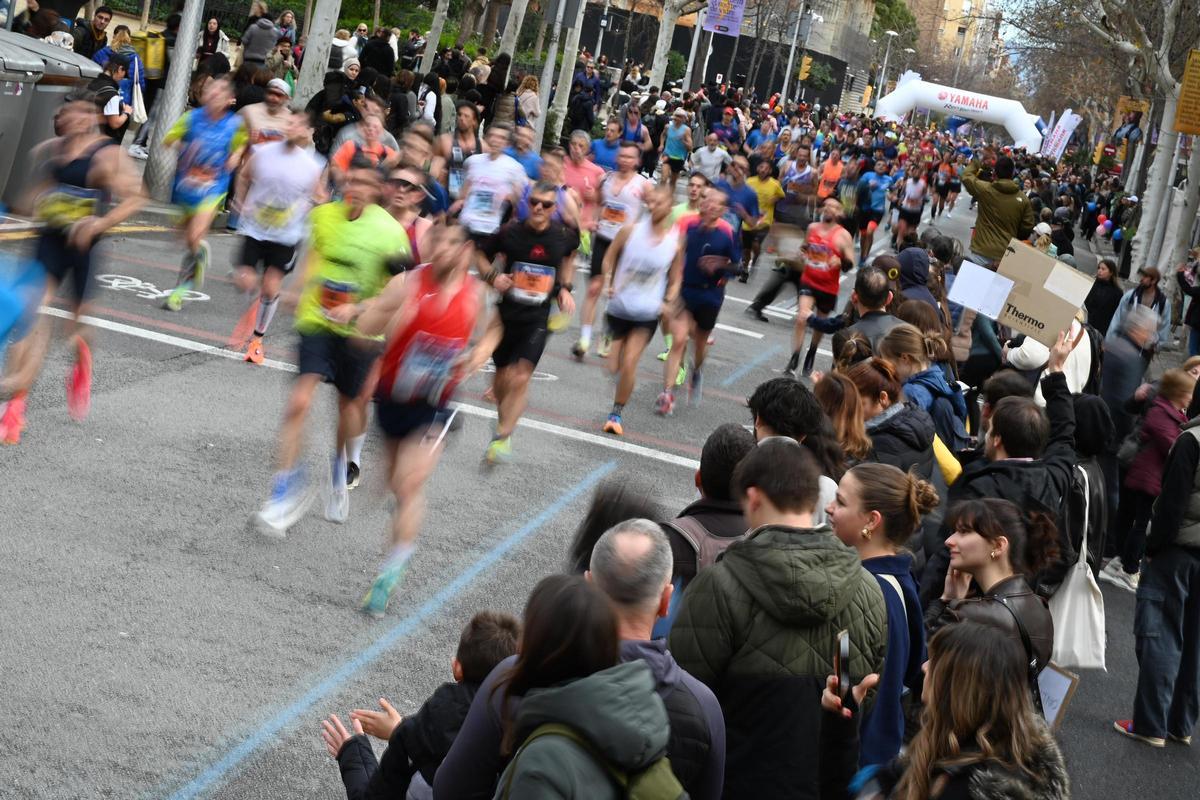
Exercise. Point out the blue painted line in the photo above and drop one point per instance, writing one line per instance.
(270, 729)
(754, 363)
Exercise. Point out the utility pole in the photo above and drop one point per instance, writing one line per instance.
(160, 168)
(787, 75)
(603, 27)
(548, 67)
(316, 52)
(565, 73)
(696, 32)
(882, 87)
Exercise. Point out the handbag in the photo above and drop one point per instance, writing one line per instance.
(139, 115)
(1132, 443)
(1078, 610)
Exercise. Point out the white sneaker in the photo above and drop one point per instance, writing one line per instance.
(290, 501)
(1121, 579)
(139, 152)
(337, 505)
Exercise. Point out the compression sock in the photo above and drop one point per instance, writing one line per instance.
(585, 334)
(266, 312)
(618, 409)
(354, 448)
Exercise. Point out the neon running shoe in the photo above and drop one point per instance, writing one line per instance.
(13, 421)
(254, 351)
(1125, 728)
(681, 375)
(174, 301)
(200, 266)
(79, 383)
(499, 451)
(695, 388)
(375, 601)
(613, 425)
(580, 350)
(668, 340)
(605, 345)
(290, 501)
(664, 406)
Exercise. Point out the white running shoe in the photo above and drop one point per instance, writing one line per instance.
(290, 501)
(337, 505)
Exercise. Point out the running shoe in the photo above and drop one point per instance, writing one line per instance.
(668, 340)
(375, 601)
(12, 422)
(254, 351)
(664, 406)
(499, 451)
(792, 364)
(605, 345)
(681, 375)
(755, 313)
(695, 388)
(1125, 728)
(79, 383)
(139, 152)
(579, 350)
(353, 475)
(174, 301)
(290, 501)
(1120, 578)
(613, 425)
(1184, 740)
(337, 505)
(743, 276)
(201, 264)
(810, 360)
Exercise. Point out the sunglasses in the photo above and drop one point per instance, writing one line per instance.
(403, 185)
(541, 203)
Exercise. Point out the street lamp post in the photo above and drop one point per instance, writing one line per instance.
(883, 72)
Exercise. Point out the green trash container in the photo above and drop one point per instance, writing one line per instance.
(62, 73)
(19, 71)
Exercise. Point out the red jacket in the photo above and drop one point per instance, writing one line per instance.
(1159, 430)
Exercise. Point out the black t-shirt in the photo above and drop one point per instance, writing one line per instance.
(533, 259)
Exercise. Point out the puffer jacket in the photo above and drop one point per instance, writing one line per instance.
(1159, 428)
(1004, 213)
(615, 710)
(902, 435)
(758, 627)
(930, 391)
(988, 608)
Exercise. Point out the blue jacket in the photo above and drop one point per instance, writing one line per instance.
(136, 68)
(931, 391)
(882, 731)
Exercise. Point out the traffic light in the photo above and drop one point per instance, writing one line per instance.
(805, 67)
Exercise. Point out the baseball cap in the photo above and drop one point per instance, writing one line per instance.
(661, 105)
(1151, 272)
(1133, 198)
(279, 85)
(1042, 229)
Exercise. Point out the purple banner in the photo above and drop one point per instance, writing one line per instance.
(725, 17)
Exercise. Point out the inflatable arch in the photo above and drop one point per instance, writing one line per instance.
(912, 92)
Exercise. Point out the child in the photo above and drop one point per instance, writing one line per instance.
(417, 744)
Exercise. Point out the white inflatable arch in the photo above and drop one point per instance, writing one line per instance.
(912, 92)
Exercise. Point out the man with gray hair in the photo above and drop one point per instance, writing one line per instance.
(631, 563)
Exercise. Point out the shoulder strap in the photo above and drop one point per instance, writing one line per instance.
(894, 582)
(1030, 654)
(1087, 500)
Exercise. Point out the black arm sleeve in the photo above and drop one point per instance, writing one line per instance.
(1178, 480)
(358, 765)
(839, 754)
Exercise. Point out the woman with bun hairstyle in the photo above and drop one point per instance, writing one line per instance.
(995, 546)
(876, 510)
(901, 433)
(915, 356)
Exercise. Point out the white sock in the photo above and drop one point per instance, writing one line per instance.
(338, 471)
(398, 556)
(585, 334)
(354, 448)
(266, 312)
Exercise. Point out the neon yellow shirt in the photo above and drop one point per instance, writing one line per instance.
(769, 193)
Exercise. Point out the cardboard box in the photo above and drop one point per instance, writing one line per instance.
(1046, 293)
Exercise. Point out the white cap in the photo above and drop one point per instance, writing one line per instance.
(1133, 198)
(280, 85)
(1042, 229)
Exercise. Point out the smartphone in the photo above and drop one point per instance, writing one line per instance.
(841, 663)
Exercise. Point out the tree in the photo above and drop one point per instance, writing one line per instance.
(820, 76)
(894, 15)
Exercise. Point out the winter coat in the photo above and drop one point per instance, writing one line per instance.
(914, 277)
(874, 325)
(378, 55)
(1160, 426)
(1161, 306)
(758, 628)
(1176, 519)
(259, 40)
(930, 391)
(1192, 317)
(418, 744)
(1004, 213)
(1101, 304)
(1124, 368)
(902, 435)
(208, 44)
(695, 743)
(615, 710)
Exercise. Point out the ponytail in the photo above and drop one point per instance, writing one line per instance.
(1032, 535)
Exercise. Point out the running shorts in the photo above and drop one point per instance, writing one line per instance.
(599, 248)
(753, 237)
(521, 341)
(912, 218)
(620, 327)
(866, 216)
(824, 301)
(955, 187)
(341, 360)
(676, 165)
(401, 420)
(256, 253)
(704, 315)
(62, 261)
(942, 189)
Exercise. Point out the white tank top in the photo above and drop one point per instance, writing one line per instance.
(619, 208)
(280, 194)
(641, 275)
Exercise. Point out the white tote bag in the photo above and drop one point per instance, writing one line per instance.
(1078, 611)
(139, 115)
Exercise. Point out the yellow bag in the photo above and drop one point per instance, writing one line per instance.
(946, 461)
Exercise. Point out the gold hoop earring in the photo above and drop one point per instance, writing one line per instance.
(866, 533)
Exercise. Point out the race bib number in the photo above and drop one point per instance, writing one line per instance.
(612, 217)
(274, 217)
(334, 294)
(426, 372)
(481, 213)
(818, 258)
(456, 182)
(198, 178)
(532, 283)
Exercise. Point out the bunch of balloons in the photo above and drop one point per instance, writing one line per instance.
(1105, 226)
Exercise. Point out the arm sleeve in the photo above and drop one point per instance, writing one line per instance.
(839, 746)
(1118, 319)
(177, 131)
(358, 766)
(1179, 475)
(970, 178)
(1061, 411)
(701, 638)
(1189, 290)
(1032, 354)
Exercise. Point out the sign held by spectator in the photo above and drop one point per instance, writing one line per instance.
(1046, 293)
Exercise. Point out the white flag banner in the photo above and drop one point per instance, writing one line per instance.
(1056, 143)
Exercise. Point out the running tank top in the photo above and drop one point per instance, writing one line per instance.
(618, 208)
(280, 195)
(914, 195)
(634, 135)
(410, 230)
(640, 281)
(675, 146)
(823, 264)
(418, 366)
(71, 199)
(457, 157)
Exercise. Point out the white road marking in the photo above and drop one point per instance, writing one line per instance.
(466, 408)
(752, 334)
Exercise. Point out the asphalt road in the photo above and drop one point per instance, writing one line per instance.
(156, 648)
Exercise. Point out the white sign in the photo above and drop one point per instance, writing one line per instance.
(980, 289)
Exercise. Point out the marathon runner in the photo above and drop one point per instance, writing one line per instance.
(276, 187)
(873, 190)
(492, 186)
(428, 316)
(830, 175)
(941, 187)
(352, 248)
(960, 163)
(711, 160)
(530, 264)
(697, 183)
(828, 252)
(642, 273)
(744, 214)
(78, 173)
(621, 197)
(456, 147)
(711, 255)
(769, 192)
(910, 198)
(402, 197)
(604, 151)
(212, 139)
(676, 145)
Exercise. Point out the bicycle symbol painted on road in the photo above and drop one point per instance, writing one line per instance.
(143, 289)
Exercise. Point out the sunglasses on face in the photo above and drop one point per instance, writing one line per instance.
(402, 184)
(535, 203)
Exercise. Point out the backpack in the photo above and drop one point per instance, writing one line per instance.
(655, 782)
(518, 115)
(707, 546)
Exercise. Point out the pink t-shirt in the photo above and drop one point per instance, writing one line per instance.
(584, 178)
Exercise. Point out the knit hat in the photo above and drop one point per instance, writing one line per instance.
(348, 63)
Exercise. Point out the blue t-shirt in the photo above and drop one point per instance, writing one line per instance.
(742, 197)
(606, 156)
(726, 134)
(876, 186)
(711, 256)
(531, 162)
(757, 137)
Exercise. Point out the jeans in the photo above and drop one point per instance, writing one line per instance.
(1167, 626)
(1133, 515)
(1193, 342)
(777, 280)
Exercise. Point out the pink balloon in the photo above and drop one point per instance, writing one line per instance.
(1100, 230)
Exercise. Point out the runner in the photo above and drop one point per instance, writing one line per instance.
(461, 144)
(270, 120)
(402, 197)
(371, 148)
(584, 177)
(711, 160)
(676, 144)
(910, 198)
(212, 139)
(530, 264)
(77, 172)
(642, 273)
(828, 252)
(711, 255)
(350, 246)
(941, 187)
(621, 197)
(604, 151)
(492, 186)
(696, 185)
(276, 188)
(872, 203)
(428, 316)
(769, 193)
(567, 207)
(831, 174)
(744, 214)
(960, 163)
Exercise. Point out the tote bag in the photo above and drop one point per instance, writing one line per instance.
(1078, 611)
(139, 115)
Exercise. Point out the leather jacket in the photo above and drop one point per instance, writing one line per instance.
(988, 609)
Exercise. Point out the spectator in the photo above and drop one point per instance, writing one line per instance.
(914, 276)
(113, 109)
(342, 49)
(877, 510)
(418, 743)
(1061, 235)
(1125, 363)
(1093, 441)
(839, 399)
(1031, 355)
(377, 53)
(914, 353)
(1147, 295)
(122, 45)
(613, 502)
(287, 26)
(428, 98)
(1004, 213)
(765, 616)
(1144, 475)
(212, 41)
(581, 114)
(281, 63)
(870, 299)
(901, 433)
(258, 41)
(493, 86)
(89, 36)
(528, 107)
(1168, 645)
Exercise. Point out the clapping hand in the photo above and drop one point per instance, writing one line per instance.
(335, 734)
(379, 724)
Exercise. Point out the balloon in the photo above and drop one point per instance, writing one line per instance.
(1100, 231)
(1108, 224)
(1101, 219)
(1117, 235)
(1091, 206)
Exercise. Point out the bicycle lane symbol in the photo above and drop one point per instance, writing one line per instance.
(144, 289)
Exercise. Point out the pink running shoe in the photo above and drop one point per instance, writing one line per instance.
(13, 421)
(79, 383)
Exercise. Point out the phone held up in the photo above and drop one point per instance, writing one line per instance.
(841, 663)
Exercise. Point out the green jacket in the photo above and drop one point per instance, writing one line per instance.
(1004, 213)
(617, 710)
(758, 627)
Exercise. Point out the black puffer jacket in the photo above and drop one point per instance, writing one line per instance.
(903, 436)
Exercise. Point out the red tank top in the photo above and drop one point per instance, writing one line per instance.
(823, 263)
(411, 230)
(418, 364)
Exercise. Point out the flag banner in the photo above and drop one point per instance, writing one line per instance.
(725, 17)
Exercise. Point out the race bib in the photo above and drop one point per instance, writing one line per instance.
(481, 213)
(456, 182)
(818, 258)
(426, 373)
(274, 216)
(612, 217)
(532, 283)
(198, 178)
(334, 294)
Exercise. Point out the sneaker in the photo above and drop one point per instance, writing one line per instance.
(290, 501)
(353, 475)
(337, 505)
(743, 276)
(579, 350)
(201, 265)
(1125, 728)
(1121, 579)
(499, 451)
(810, 359)
(605, 345)
(613, 425)
(79, 383)
(668, 340)
(695, 388)
(792, 364)
(681, 375)
(174, 301)
(1184, 740)
(664, 406)
(375, 601)
(13, 421)
(755, 313)
(139, 152)
(254, 351)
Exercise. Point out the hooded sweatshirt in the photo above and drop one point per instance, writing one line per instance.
(902, 435)
(1004, 213)
(758, 627)
(259, 40)
(914, 276)
(930, 391)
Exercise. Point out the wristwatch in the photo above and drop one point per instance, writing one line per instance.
(570, 287)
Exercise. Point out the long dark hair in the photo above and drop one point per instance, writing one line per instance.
(498, 74)
(613, 501)
(570, 632)
(1032, 535)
